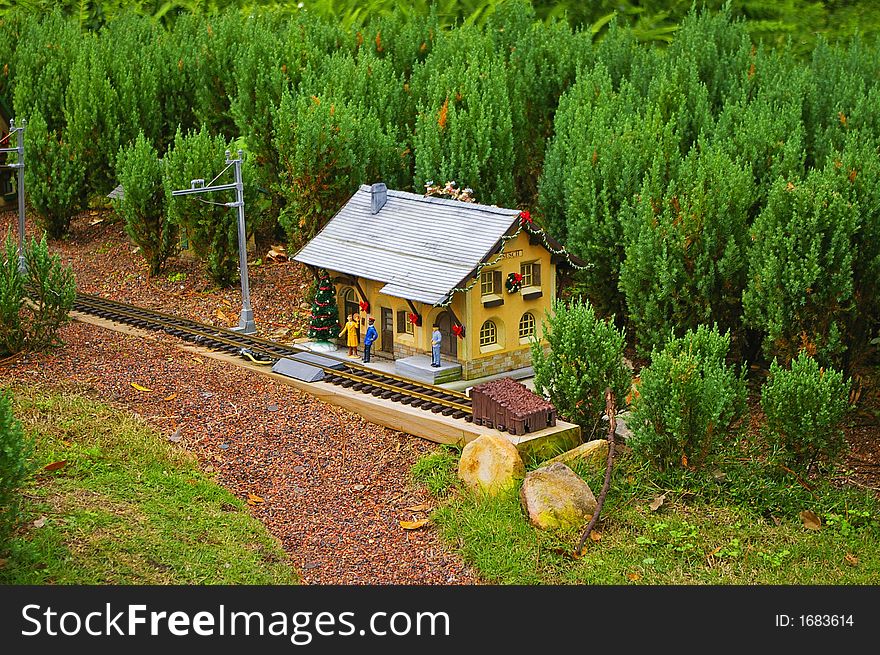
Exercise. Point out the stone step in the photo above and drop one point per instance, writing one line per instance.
(418, 367)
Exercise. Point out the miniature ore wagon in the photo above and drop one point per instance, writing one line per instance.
(506, 404)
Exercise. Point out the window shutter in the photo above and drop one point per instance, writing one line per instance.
(496, 281)
(536, 274)
(401, 321)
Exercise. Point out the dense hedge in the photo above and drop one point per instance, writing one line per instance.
(668, 169)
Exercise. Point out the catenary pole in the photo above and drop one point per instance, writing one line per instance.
(246, 324)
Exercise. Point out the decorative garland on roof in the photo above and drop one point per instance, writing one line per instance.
(525, 223)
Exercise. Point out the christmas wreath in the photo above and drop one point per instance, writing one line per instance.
(513, 282)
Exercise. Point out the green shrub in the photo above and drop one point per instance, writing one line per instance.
(142, 205)
(604, 144)
(11, 298)
(15, 449)
(585, 357)
(463, 129)
(91, 108)
(540, 60)
(685, 250)
(131, 54)
(800, 287)
(45, 52)
(327, 149)
(805, 406)
(32, 323)
(688, 399)
(54, 176)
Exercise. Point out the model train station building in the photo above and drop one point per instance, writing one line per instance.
(415, 260)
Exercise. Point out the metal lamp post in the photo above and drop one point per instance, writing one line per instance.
(246, 324)
(19, 166)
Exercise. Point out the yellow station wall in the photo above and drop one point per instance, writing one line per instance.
(510, 352)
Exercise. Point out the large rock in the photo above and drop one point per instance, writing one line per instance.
(490, 463)
(594, 453)
(555, 497)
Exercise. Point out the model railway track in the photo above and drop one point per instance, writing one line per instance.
(353, 376)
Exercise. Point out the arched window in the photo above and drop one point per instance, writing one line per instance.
(349, 304)
(488, 334)
(526, 326)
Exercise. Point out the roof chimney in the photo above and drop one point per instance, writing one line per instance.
(378, 196)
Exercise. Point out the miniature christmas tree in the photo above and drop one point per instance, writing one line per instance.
(324, 321)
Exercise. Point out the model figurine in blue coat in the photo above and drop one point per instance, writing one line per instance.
(369, 338)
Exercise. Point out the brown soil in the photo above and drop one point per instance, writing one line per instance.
(332, 487)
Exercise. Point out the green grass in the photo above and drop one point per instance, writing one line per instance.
(128, 507)
(740, 528)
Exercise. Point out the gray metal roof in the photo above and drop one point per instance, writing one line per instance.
(117, 193)
(421, 247)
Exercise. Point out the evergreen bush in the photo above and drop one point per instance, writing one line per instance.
(463, 129)
(585, 357)
(327, 149)
(54, 176)
(142, 205)
(685, 255)
(91, 130)
(33, 305)
(131, 52)
(687, 401)
(805, 406)
(800, 287)
(15, 449)
(605, 143)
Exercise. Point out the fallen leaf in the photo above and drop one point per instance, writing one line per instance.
(424, 507)
(221, 315)
(40, 522)
(776, 520)
(810, 520)
(54, 466)
(175, 436)
(684, 460)
(851, 559)
(226, 302)
(209, 469)
(633, 576)
(657, 502)
(2, 563)
(96, 221)
(413, 525)
(200, 361)
(595, 536)
(253, 499)
(139, 387)
(171, 397)
(715, 552)
(277, 253)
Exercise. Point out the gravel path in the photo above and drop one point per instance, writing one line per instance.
(334, 486)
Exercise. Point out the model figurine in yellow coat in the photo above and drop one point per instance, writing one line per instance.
(351, 327)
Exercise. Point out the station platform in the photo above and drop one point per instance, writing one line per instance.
(417, 367)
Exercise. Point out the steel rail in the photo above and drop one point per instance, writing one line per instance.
(274, 345)
(232, 341)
